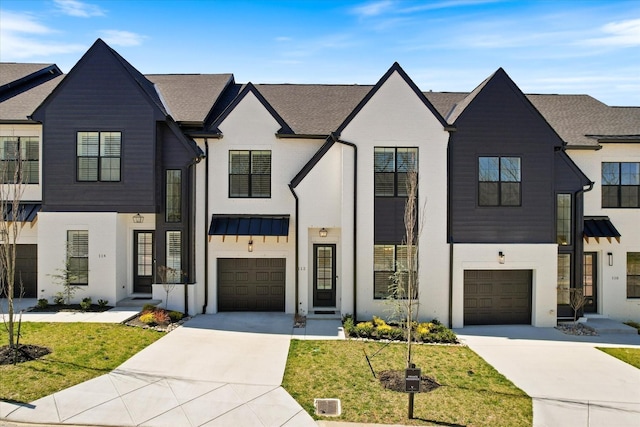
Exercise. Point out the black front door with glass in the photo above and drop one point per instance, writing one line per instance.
(589, 282)
(143, 260)
(324, 275)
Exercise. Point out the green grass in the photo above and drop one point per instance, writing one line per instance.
(80, 351)
(634, 325)
(472, 392)
(628, 355)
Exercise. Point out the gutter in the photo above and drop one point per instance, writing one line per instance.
(297, 257)
(191, 219)
(336, 138)
(206, 217)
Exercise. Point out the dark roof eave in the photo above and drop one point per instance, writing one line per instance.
(582, 147)
(204, 134)
(302, 135)
(19, 122)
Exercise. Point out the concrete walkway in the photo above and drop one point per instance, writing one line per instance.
(222, 369)
(571, 382)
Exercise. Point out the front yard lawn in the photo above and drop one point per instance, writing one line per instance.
(79, 352)
(472, 393)
(628, 355)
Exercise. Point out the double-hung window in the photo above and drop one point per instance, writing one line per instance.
(499, 181)
(98, 156)
(391, 167)
(78, 257)
(250, 173)
(633, 274)
(19, 159)
(391, 272)
(621, 184)
(174, 256)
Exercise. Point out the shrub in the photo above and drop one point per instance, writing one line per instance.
(364, 329)
(424, 328)
(439, 334)
(58, 299)
(148, 307)
(349, 325)
(102, 303)
(42, 303)
(396, 334)
(161, 316)
(384, 330)
(379, 322)
(85, 304)
(148, 318)
(175, 316)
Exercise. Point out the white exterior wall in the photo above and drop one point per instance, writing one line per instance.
(251, 127)
(542, 259)
(110, 252)
(32, 192)
(612, 284)
(396, 117)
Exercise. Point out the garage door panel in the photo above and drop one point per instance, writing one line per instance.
(497, 297)
(257, 284)
(26, 272)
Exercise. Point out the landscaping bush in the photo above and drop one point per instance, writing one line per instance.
(175, 316)
(427, 332)
(102, 303)
(364, 329)
(161, 316)
(148, 318)
(348, 325)
(42, 303)
(148, 307)
(58, 299)
(85, 304)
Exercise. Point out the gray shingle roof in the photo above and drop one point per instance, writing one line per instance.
(189, 97)
(17, 109)
(12, 71)
(313, 109)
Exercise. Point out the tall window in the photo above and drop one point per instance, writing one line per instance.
(499, 181)
(19, 154)
(564, 278)
(174, 256)
(391, 166)
(173, 201)
(620, 185)
(389, 265)
(563, 219)
(633, 274)
(250, 173)
(98, 156)
(78, 256)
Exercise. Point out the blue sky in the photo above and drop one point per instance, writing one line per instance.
(573, 46)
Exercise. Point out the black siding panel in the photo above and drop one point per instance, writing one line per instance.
(389, 220)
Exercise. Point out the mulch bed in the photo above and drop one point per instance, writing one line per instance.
(75, 308)
(25, 353)
(395, 380)
(576, 329)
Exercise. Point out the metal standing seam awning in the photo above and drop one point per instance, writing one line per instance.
(598, 227)
(249, 225)
(27, 212)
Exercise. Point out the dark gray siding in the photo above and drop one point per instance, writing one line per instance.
(99, 95)
(501, 122)
(389, 220)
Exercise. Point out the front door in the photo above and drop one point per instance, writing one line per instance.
(143, 260)
(590, 281)
(324, 275)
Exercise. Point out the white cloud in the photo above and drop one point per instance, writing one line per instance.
(78, 8)
(20, 38)
(283, 39)
(618, 34)
(372, 9)
(121, 38)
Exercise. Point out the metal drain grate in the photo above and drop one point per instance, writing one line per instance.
(327, 407)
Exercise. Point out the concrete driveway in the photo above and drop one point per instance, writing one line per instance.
(571, 382)
(215, 370)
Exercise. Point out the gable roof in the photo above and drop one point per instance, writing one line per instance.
(18, 108)
(250, 88)
(190, 97)
(16, 78)
(395, 68)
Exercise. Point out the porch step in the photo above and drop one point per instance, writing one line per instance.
(324, 314)
(608, 326)
(137, 301)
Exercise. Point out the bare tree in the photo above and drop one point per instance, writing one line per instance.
(577, 300)
(11, 191)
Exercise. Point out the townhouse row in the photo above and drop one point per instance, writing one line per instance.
(291, 197)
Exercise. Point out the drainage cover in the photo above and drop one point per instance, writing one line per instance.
(327, 407)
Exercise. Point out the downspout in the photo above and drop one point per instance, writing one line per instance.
(297, 283)
(191, 220)
(206, 230)
(355, 218)
(577, 276)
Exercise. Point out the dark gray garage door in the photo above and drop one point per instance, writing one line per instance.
(26, 271)
(497, 297)
(251, 284)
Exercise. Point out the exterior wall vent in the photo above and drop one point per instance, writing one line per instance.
(327, 407)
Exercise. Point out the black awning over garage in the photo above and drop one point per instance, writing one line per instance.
(598, 227)
(249, 225)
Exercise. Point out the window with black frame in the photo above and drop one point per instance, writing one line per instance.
(499, 181)
(621, 184)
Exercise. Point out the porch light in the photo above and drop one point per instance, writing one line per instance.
(610, 255)
(250, 246)
(138, 219)
(323, 232)
(501, 257)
